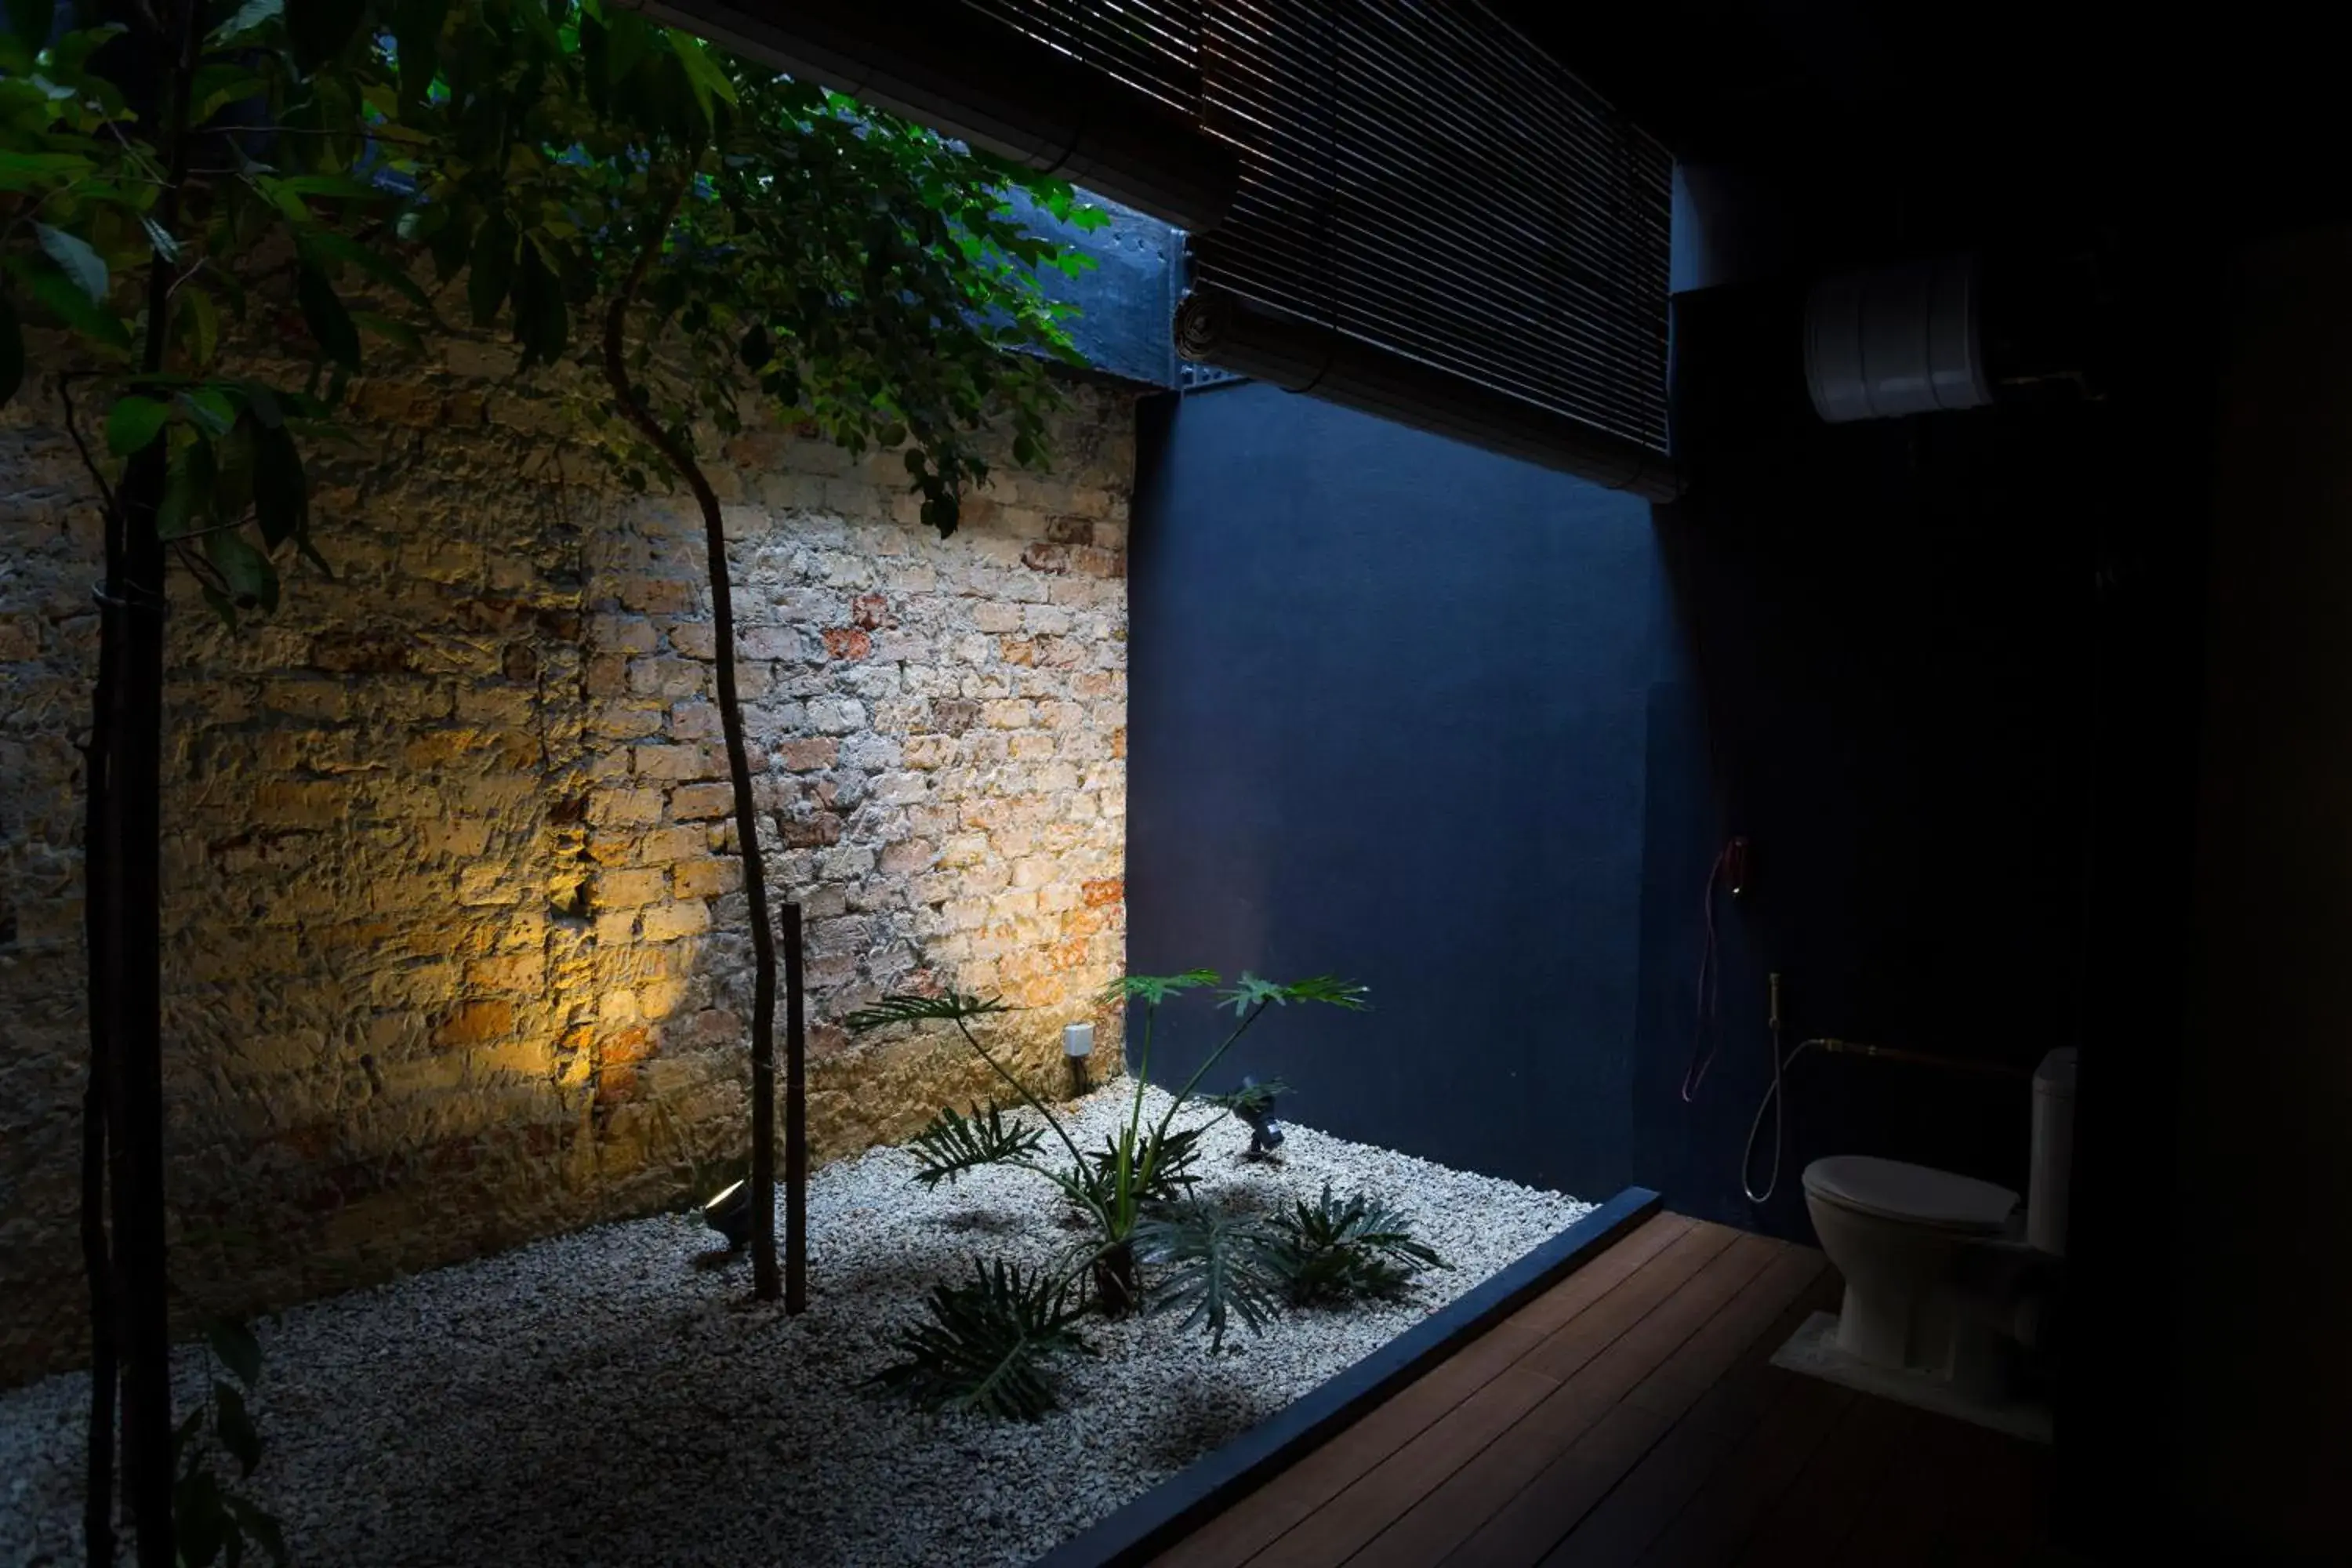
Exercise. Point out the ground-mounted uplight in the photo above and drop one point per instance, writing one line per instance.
(728, 1212)
(1078, 1046)
(1254, 1106)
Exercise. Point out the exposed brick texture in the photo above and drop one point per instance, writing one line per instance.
(454, 929)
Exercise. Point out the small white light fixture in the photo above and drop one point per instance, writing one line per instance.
(1078, 1045)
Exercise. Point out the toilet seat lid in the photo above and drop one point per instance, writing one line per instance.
(1916, 1194)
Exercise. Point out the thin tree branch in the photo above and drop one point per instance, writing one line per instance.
(73, 429)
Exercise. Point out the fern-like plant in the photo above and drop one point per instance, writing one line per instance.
(1333, 1250)
(985, 1346)
(951, 1144)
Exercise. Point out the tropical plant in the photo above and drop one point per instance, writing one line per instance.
(1332, 1250)
(172, 185)
(1135, 1194)
(983, 1348)
(215, 1520)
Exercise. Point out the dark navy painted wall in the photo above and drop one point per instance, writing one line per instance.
(1388, 717)
(1472, 733)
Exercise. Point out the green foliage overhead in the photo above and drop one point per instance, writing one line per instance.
(985, 1344)
(337, 164)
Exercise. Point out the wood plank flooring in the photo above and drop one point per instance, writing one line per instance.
(1630, 1416)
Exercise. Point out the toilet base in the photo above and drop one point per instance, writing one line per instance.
(1928, 1333)
(1814, 1351)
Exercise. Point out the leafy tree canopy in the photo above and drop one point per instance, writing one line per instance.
(316, 176)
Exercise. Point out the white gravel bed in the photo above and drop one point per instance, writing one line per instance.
(612, 1398)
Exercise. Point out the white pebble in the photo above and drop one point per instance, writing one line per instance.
(598, 1399)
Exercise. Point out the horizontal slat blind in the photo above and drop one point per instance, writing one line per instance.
(1152, 45)
(1105, 92)
(1399, 205)
(1418, 178)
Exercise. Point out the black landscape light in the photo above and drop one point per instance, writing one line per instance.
(1253, 1103)
(730, 1214)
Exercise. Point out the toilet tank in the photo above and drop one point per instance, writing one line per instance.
(2047, 1185)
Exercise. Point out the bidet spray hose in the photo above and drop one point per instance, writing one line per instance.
(1775, 1102)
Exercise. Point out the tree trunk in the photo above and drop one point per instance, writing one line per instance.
(98, 1477)
(97, 1102)
(1115, 1292)
(766, 1284)
(126, 854)
(795, 1119)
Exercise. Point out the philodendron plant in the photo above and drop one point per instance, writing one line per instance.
(983, 1346)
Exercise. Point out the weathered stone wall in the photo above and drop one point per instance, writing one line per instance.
(455, 946)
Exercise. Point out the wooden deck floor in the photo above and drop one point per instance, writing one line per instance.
(1630, 1416)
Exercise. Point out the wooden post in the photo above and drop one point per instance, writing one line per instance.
(795, 1120)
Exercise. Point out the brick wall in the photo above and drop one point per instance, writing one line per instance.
(456, 948)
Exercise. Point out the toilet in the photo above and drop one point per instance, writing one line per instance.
(1945, 1274)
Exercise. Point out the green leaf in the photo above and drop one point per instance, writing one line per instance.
(1155, 989)
(134, 422)
(320, 28)
(281, 490)
(952, 1144)
(250, 17)
(159, 237)
(1250, 992)
(188, 491)
(416, 35)
(493, 269)
(397, 331)
(238, 1351)
(451, 237)
(67, 301)
(208, 408)
(378, 264)
(198, 1518)
(12, 351)
(1331, 1251)
(1218, 1267)
(985, 1346)
(346, 187)
(259, 1524)
(252, 580)
(324, 314)
(199, 325)
(215, 86)
(75, 259)
(25, 170)
(233, 1423)
(30, 20)
(702, 71)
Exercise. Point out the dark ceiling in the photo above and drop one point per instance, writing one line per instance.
(2042, 111)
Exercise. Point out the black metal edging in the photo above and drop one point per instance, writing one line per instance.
(1178, 1505)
